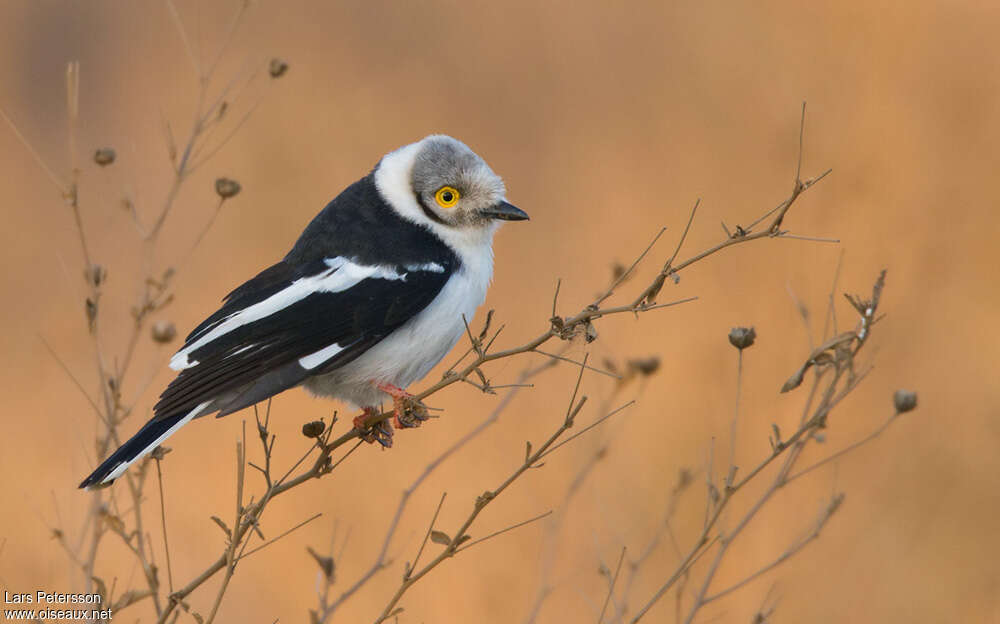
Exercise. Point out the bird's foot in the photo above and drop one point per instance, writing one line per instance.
(379, 432)
(408, 411)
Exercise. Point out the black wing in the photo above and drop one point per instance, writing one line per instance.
(251, 347)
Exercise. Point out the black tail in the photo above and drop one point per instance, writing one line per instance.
(153, 433)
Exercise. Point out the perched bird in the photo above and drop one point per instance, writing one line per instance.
(368, 300)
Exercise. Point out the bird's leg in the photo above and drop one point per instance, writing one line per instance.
(379, 432)
(407, 411)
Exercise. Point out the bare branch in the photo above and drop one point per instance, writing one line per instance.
(480, 540)
(611, 586)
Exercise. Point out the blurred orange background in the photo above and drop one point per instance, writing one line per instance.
(606, 121)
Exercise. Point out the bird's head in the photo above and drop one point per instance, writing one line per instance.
(441, 183)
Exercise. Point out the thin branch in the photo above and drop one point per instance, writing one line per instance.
(225, 140)
(680, 242)
(588, 428)
(480, 540)
(802, 130)
(73, 378)
(628, 272)
(814, 239)
(611, 587)
(430, 527)
(163, 524)
(865, 440)
(792, 550)
(736, 415)
(577, 362)
(60, 185)
(227, 38)
(278, 537)
(188, 49)
(831, 309)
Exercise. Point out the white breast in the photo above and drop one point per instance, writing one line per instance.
(412, 350)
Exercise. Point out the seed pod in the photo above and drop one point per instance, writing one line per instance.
(644, 366)
(904, 400)
(104, 156)
(227, 187)
(95, 274)
(313, 429)
(277, 68)
(742, 337)
(164, 331)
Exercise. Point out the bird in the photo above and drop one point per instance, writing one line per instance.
(377, 289)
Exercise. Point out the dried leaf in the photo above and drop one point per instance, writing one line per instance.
(114, 523)
(102, 589)
(222, 525)
(794, 381)
(326, 564)
(486, 325)
(440, 537)
(130, 597)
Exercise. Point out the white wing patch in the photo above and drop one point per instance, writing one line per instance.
(342, 274)
(432, 267)
(313, 360)
(241, 350)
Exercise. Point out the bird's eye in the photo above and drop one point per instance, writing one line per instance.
(447, 196)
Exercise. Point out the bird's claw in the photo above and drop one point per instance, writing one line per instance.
(409, 412)
(379, 432)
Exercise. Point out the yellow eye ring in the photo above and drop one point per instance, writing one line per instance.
(447, 196)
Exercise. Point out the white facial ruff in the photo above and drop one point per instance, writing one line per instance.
(394, 180)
